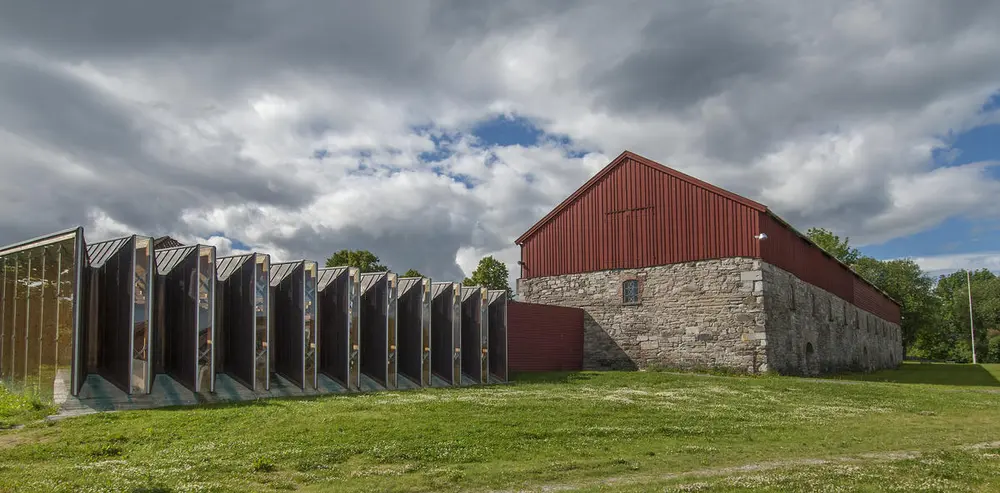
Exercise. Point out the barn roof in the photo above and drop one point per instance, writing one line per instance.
(626, 156)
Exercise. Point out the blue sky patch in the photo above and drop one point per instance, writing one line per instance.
(955, 235)
(504, 131)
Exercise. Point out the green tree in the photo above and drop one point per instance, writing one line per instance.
(840, 249)
(952, 339)
(412, 273)
(490, 273)
(364, 260)
(905, 282)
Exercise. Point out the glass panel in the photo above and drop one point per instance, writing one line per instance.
(140, 315)
(67, 265)
(425, 333)
(484, 336)
(390, 376)
(457, 333)
(22, 316)
(206, 319)
(309, 324)
(354, 312)
(48, 319)
(7, 322)
(261, 333)
(31, 291)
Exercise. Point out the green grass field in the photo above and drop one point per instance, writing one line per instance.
(20, 408)
(609, 431)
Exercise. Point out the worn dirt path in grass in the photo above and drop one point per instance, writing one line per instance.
(753, 467)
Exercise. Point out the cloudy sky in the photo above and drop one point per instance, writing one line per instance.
(434, 133)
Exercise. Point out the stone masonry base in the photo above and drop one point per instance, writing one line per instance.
(741, 314)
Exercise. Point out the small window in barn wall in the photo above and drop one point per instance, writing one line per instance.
(630, 292)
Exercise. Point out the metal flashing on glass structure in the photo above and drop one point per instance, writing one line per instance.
(414, 331)
(337, 298)
(446, 333)
(40, 294)
(497, 328)
(185, 316)
(475, 353)
(242, 313)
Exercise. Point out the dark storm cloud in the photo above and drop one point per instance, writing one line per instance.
(141, 189)
(690, 52)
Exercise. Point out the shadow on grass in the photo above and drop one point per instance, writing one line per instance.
(550, 377)
(932, 374)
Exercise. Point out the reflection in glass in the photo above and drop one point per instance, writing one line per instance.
(442, 346)
(353, 308)
(309, 323)
(5, 304)
(206, 319)
(262, 372)
(48, 321)
(425, 335)
(374, 329)
(141, 377)
(457, 334)
(498, 334)
(484, 341)
(471, 328)
(34, 292)
(288, 319)
(390, 294)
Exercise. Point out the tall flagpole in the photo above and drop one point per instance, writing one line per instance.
(972, 329)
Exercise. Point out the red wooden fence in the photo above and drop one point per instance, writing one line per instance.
(544, 337)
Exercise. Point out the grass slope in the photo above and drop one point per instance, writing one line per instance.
(20, 408)
(567, 430)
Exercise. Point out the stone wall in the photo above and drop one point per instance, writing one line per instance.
(738, 313)
(811, 331)
(697, 314)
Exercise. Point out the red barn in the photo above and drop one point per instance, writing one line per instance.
(675, 272)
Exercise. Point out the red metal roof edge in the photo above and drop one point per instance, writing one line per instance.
(618, 161)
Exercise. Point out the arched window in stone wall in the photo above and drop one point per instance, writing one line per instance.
(630, 291)
(791, 294)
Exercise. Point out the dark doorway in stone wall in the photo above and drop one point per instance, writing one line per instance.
(812, 362)
(864, 358)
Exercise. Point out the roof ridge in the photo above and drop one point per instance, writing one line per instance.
(618, 161)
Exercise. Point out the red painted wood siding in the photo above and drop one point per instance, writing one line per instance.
(637, 213)
(870, 299)
(787, 250)
(638, 216)
(544, 337)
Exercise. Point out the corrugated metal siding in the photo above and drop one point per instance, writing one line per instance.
(544, 337)
(637, 216)
(788, 251)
